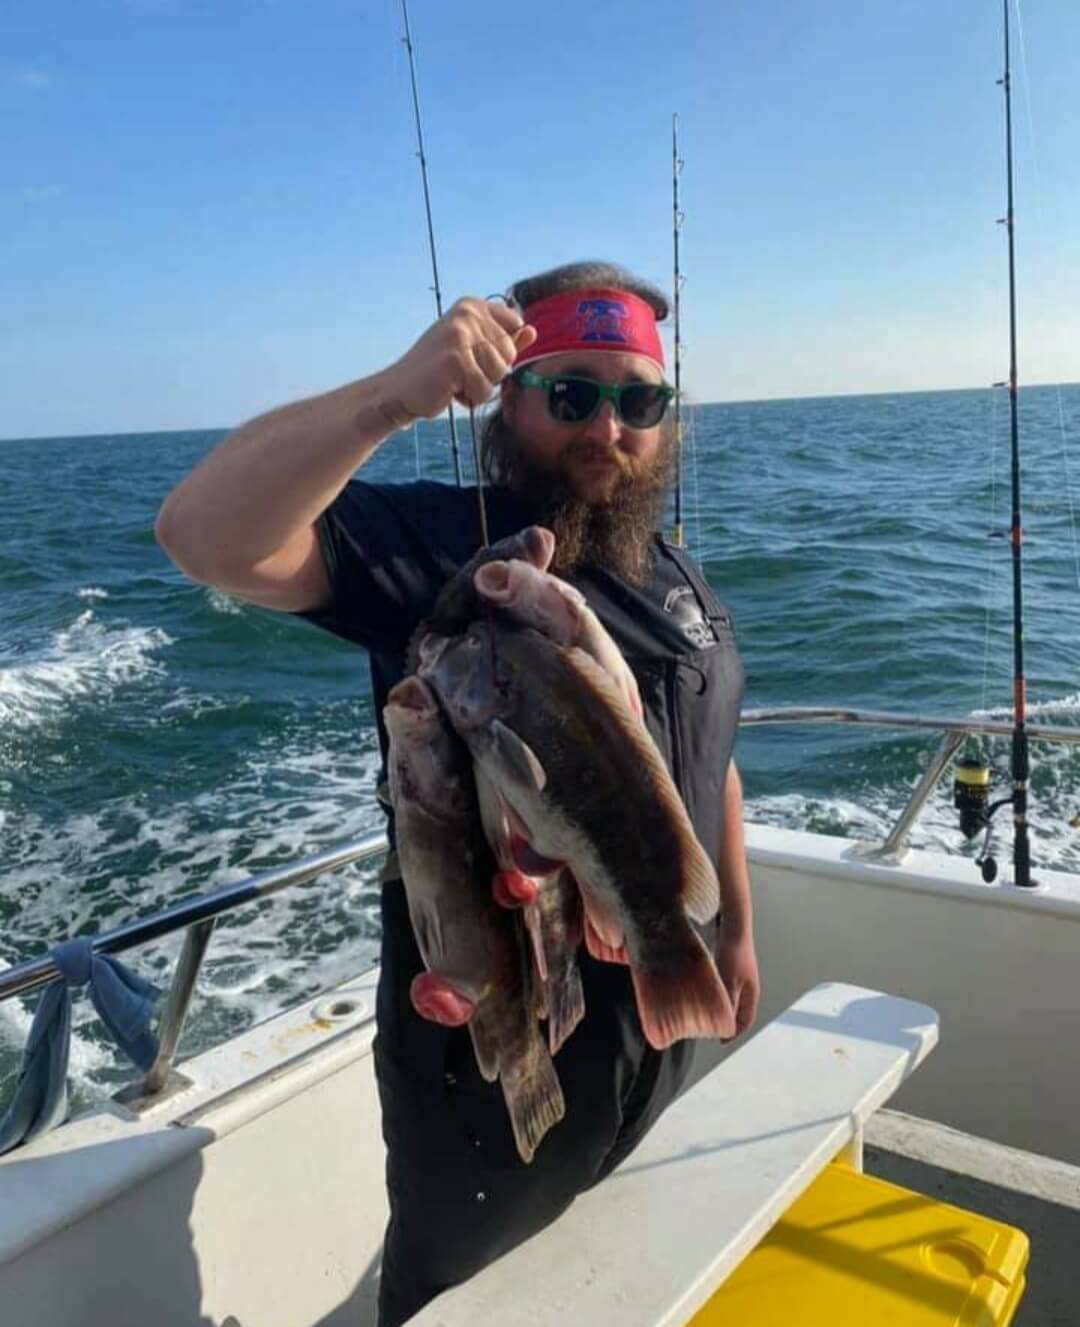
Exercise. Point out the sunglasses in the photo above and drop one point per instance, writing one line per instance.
(639, 405)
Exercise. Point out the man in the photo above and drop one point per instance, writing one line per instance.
(579, 443)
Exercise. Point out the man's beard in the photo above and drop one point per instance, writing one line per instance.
(615, 533)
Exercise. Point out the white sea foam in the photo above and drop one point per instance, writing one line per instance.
(1053, 842)
(288, 801)
(86, 659)
(221, 602)
(1062, 708)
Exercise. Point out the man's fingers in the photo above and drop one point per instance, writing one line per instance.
(524, 338)
(748, 1005)
(476, 386)
(491, 362)
(509, 334)
(509, 319)
(503, 345)
(744, 997)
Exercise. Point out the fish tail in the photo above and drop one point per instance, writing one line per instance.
(679, 992)
(534, 1098)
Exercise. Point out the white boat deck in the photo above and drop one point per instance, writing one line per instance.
(649, 1246)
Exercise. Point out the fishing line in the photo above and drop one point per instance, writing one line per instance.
(481, 503)
(1037, 200)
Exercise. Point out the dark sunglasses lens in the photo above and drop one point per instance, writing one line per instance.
(572, 400)
(643, 405)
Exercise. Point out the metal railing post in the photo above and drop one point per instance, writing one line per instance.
(196, 938)
(926, 785)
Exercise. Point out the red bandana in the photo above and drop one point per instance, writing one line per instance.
(592, 320)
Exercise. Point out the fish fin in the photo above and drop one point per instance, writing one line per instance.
(493, 814)
(562, 920)
(566, 1002)
(701, 887)
(517, 762)
(602, 918)
(604, 953)
(486, 1045)
(534, 925)
(534, 1098)
(682, 995)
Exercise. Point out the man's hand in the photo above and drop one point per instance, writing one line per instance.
(737, 964)
(463, 357)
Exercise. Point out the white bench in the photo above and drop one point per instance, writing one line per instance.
(649, 1246)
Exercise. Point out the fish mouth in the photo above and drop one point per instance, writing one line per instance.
(414, 695)
(539, 545)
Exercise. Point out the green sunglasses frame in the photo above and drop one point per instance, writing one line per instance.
(606, 392)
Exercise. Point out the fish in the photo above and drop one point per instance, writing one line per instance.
(549, 918)
(586, 786)
(535, 597)
(478, 969)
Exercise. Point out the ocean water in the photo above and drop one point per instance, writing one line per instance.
(158, 739)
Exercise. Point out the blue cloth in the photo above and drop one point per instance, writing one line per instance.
(124, 1002)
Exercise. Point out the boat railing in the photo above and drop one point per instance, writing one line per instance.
(197, 915)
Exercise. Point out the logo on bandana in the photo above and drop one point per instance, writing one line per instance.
(602, 320)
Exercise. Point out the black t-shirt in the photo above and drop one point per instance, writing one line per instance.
(389, 549)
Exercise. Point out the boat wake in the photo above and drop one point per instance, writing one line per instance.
(87, 660)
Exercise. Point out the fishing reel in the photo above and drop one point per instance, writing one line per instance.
(971, 797)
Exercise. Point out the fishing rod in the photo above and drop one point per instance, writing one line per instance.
(407, 40)
(972, 777)
(676, 225)
(1020, 763)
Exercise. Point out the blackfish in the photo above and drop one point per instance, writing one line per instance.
(517, 746)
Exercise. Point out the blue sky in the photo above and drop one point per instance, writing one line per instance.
(208, 207)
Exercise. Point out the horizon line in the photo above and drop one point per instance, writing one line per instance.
(687, 400)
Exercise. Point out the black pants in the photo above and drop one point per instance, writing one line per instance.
(460, 1196)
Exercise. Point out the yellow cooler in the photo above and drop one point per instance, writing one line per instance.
(855, 1251)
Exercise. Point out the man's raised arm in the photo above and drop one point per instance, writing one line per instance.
(243, 520)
